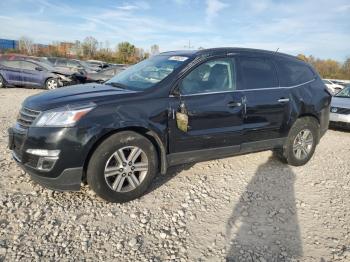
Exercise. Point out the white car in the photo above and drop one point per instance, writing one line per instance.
(333, 87)
(340, 108)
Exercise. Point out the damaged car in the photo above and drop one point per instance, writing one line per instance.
(173, 108)
(31, 73)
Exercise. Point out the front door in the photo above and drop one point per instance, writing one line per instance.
(31, 76)
(267, 104)
(213, 107)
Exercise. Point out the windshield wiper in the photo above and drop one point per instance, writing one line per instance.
(114, 84)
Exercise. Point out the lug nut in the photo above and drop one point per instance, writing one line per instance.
(132, 168)
(123, 174)
(130, 163)
(124, 164)
(121, 169)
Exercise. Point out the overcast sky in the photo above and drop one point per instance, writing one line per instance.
(320, 28)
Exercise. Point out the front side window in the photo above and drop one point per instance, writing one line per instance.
(28, 66)
(212, 76)
(61, 62)
(72, 63)
(147, 73)
(257, 73)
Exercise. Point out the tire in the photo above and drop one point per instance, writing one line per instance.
(2, 82)
(51, 83)
(115, 182)
(301, 142)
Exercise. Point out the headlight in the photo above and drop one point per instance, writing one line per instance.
(64, 78)
(63, 117)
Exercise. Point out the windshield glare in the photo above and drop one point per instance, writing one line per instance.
(148, 72)
(345, 92)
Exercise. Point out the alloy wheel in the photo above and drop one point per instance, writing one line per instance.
(126, 169)
(1, 82)
(52, 84)
(303, 144)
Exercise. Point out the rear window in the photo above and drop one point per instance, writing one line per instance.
(257, 73)
(293, 73)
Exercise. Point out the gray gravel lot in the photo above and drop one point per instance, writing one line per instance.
(245, 208)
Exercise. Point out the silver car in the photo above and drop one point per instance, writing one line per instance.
(340, 108)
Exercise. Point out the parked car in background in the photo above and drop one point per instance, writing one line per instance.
(73, 65)
(340, 108)
(104, 74)
(31, 73)
(98, 65)
(170, 109)
(332, 87)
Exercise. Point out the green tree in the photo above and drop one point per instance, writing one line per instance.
(126, 52)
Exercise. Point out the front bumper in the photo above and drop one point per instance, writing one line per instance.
(68, 180)
(334, 117)
(67, 172)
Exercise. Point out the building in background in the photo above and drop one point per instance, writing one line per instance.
(6, 44)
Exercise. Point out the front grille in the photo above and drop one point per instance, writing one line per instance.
(26, 117)
(340, 110)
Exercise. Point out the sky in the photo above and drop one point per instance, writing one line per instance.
(320, 28)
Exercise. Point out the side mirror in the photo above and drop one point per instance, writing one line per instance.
(38, 68)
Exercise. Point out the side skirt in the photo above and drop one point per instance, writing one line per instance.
(222, 152)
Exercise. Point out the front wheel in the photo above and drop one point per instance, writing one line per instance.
(51, 83)
(122, 167)
(301, 142)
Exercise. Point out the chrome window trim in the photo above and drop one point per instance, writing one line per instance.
(246, 90)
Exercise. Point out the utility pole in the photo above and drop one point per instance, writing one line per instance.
(189, 45)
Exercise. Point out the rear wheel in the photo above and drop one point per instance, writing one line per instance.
(122, 167)
(2, 82)
(51, 83)
(301, 142)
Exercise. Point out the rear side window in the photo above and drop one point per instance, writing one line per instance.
(257, 73)
(11, 64)
(293, 73)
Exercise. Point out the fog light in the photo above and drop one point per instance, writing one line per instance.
(46, 163)
(46, 160)
(43, 152)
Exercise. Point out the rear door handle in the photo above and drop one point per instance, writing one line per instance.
(283, 100)
(234, 104)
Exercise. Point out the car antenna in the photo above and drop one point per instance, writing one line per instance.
(276, 50)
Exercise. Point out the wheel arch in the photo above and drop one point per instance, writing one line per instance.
(146, 132)
(315, 117)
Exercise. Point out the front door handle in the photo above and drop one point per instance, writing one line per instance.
(283, 100)
(234, 104)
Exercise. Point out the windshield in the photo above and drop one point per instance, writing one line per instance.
(148, 72)
(345, 92)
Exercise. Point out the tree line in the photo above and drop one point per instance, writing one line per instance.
(329, 68)
(89, 48)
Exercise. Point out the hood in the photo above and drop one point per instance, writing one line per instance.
(343, 102)
(73, 94)
(62, 72)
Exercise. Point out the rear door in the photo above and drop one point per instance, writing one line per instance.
(12, 72)
(267, 105)
(214, 109)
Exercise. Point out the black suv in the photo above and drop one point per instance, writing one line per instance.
(173, 108)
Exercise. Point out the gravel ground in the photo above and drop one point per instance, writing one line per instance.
(245, 208)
